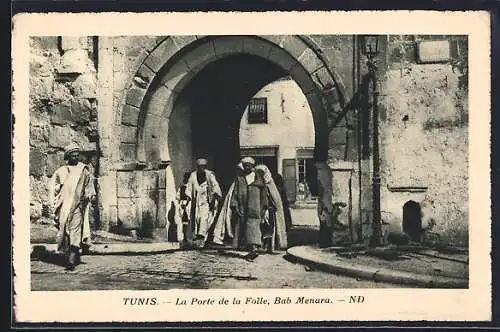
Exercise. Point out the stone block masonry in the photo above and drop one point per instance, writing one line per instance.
(63, 109)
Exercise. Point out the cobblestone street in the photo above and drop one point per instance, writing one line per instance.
(186, 269)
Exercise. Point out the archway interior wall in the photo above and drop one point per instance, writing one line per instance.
(159, 80)
(180, 144)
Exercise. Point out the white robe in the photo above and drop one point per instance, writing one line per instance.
(69, 191)
(201, 195)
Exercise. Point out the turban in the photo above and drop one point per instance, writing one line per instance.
(248, 160)
(201, 162)
(71, 148)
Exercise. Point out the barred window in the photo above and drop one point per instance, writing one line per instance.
(257, 111)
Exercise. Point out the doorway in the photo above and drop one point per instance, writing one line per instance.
(270, 161)
(266, 155)
(412, 220)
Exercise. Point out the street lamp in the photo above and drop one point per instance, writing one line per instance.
(370, 48)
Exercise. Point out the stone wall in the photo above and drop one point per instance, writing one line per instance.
(338, 51)
(119, 58)
(423, 123)
(128, 54)
(63, 109)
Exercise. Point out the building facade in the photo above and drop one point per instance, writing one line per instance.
(277, 129)
(144, 107)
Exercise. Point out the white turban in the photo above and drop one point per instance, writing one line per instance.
(201, 162)
(248, 160)
(71, 148)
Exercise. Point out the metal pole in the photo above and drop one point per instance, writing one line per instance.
(376, 238)
(356, 67)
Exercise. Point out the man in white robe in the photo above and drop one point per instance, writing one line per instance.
(204, 194)
(71, 192)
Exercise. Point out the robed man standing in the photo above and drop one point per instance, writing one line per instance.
(204, 193)
(71, 192)
(249, 203)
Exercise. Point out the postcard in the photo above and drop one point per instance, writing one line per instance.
(273, 166)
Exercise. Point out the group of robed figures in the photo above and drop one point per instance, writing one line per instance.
(253, 215)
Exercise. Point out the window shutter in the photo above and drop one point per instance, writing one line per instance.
(290, 179)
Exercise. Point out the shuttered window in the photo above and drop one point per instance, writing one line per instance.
(290, 179)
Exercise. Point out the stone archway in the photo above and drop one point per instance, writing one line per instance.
(166, 72)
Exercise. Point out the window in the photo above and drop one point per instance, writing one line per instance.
(307, 187)
(257, 111)
(301, 170)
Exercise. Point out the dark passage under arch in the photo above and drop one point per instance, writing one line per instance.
(215, 100)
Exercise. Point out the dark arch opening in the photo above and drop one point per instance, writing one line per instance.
(412, 220)
(213, 102)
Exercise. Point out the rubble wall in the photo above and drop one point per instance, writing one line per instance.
(62, 109)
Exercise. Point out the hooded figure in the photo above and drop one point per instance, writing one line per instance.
(280, 185)
(274, 226)
(249, 204)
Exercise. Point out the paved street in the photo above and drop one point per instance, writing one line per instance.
(186, 269)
